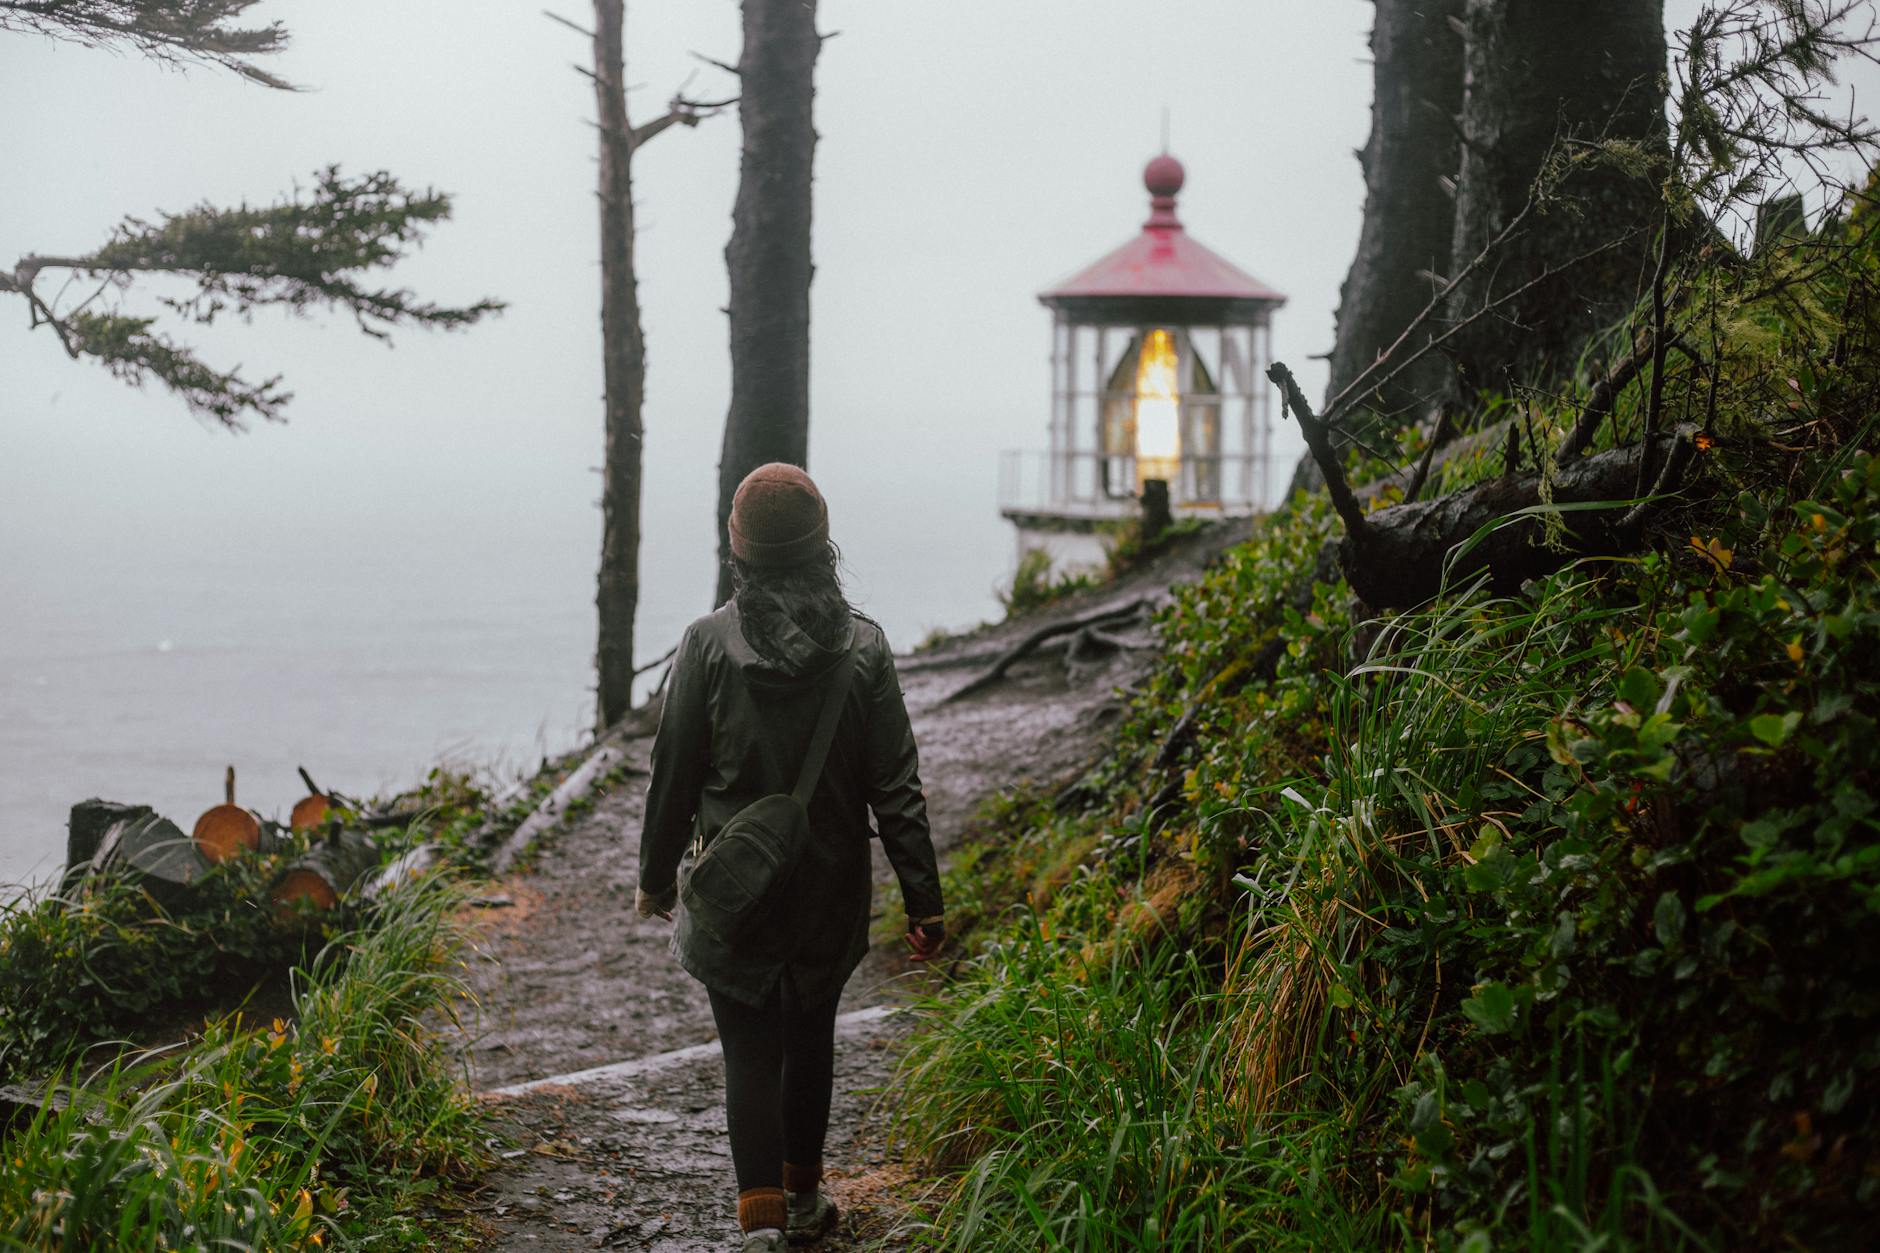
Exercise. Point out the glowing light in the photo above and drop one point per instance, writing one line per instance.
(1158, 408)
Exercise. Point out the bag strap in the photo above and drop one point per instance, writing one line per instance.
(825, 730)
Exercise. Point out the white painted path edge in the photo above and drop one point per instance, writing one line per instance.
(845, 1024)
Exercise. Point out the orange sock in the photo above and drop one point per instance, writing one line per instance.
(762, 1207)
(801, 1178)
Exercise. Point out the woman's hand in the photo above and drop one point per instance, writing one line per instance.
(650, 905)
(925, 939)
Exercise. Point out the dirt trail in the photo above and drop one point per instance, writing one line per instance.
(624, 1146)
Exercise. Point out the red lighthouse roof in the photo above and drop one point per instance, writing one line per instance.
(1163, 261)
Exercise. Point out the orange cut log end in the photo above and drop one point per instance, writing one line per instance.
(309, 812)
(226, 830)
(308, 886)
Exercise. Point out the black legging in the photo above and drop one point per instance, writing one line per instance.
(779, 1073)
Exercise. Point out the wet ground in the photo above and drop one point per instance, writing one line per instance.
(598, 1051)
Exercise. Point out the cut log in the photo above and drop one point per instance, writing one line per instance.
(309, 812)
(1403, 555)
(227, 829)
(328, 871)
(318, 805)
(135, 842)
(86, 829)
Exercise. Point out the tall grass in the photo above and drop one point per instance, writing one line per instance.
(1415, 794)
(1273, 1079)
(276, 1136)
(1080, 1083)
(1416, 729)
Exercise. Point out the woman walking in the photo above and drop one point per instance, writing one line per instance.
(784, 689)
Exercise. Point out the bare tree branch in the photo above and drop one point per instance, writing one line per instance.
(1321, 448)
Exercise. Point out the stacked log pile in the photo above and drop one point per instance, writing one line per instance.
(109, 838)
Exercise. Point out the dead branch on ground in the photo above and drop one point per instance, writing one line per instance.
(1102, 617)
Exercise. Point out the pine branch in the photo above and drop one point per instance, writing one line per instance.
(170, 31)
(131, 352)
(302, 253)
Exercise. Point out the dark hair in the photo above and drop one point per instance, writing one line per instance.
(808, 594)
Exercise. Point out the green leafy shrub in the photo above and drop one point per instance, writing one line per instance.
(329, 1123)
(100, 960)
(1035, 585)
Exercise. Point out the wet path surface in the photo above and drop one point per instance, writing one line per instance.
(571, 984)
(636, 1157)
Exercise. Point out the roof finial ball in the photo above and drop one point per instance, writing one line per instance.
(1163, 176)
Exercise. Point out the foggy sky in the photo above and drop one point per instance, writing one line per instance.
(971, 153)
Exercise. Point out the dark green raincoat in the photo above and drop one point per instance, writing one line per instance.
(735, 728)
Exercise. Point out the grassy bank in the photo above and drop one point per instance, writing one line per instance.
(224, 1074)
(322, 1128)
(1536, 921)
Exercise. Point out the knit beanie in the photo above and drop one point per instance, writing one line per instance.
(778, 518)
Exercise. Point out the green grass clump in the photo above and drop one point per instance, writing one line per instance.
(1036, 583)
(1077, 1089)
(330, 1126)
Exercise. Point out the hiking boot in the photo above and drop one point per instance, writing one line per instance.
(812, 1216)
(764, 1240)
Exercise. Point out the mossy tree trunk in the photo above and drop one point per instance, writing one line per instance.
(769, 253)
(1564, 103)
(1410, 163)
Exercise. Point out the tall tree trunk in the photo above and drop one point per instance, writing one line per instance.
(769, 254)
(1543, 83)
(1409, 214)
(623, 358)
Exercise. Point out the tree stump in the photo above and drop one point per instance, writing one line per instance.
(135, 842)
(327, 872)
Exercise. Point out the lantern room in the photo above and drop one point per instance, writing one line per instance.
(1158, 361)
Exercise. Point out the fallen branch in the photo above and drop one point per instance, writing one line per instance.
(1015, 654)
(1108, 641)
(1438, 435)
(1405, 555)
(1184, 729)
(1599, 402)
(597, 763)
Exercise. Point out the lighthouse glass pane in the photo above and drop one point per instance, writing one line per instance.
(1201, 451)
(1204, 347)
(1158, 408)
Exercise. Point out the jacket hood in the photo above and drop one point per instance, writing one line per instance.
(801, 660)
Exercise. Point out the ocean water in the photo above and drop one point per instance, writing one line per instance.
(142, 685)
(138, 671)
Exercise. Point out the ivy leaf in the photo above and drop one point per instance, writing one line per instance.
(1668, 919)
(1639, 689)
(1700, 623)
(1774, 729)
(1491, 1008)
(1559, 746)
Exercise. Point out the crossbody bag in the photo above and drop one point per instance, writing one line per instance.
(738, 879)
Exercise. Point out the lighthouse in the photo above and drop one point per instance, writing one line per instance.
(1158, 359)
